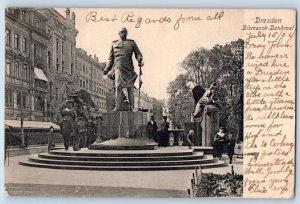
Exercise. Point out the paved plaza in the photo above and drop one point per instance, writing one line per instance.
(29, 181)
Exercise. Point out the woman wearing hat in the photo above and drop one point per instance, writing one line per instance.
(219, 140)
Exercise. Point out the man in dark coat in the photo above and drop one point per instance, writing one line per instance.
(164, 133)
(65, 130)
(152, 129)
(120, 61)
(90, 132)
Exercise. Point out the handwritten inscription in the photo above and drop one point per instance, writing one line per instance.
(138, 21)
(269, 106)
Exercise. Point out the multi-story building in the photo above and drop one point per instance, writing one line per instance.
(61, 54)
(157, 109)
(26, 86)
(89, 76)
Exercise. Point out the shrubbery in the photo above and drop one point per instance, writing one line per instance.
(215, 185)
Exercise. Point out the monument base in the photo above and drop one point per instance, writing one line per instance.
(124, 130)
(124, 144)
(209, 124)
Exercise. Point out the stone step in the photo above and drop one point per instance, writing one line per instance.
(122, 158)
(122, 153)
(120, 163)
(124, 168)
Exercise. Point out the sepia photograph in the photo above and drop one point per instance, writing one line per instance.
(181, 103)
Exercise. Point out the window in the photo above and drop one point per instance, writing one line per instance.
(39, 104)
(8, 98)
(72, 69)
(17, 70)
(24, 101)
(57, 43)
(83, 68)
(57, 65)
(37, 24)
(56, 93)
(34, 50)
(25, 71)
(62, 47)
(8, 68)
(18, 99)
(87, 83)
(49, 59)
(24, 45)
(62, 66)
(7, 37)
(17, 42)
(80, 83)
(71, 50)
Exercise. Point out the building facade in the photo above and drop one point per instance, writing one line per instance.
(89, 76)
(26, 87)
(61, 53)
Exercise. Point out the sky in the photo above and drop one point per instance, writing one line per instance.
(163, 45)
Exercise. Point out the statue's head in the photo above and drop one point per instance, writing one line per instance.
(222, 129)
(123, 33)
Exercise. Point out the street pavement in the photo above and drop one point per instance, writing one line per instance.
(30, 181)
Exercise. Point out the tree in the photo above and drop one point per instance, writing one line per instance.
(222, 64)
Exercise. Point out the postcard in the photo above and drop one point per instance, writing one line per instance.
(182, 103)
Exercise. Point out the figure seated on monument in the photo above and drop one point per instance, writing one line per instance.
(79, 102)
(202, 98)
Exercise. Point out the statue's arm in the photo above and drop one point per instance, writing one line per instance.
(110, 61)
(137, 52)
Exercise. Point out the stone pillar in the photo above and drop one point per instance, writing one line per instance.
(209, 124)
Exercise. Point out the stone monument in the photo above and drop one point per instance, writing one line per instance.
(124, 125)
(205, 117)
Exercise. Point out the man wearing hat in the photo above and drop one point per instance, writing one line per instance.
(120, 61)
(164, 133)
(152, 129)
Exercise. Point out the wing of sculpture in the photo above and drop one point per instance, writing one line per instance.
(86, 98)
(198, 92)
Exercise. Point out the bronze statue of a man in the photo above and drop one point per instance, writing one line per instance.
(120, 60)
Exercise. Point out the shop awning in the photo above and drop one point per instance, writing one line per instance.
(39, 74)
(30, 124)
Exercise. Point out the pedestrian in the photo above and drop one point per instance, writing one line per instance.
(152, 129)
(219, 140)
(76, 137)
(230, 146)
(90, 132)
(164, 133)
(190, 138)
(65, 130)
(51, 138)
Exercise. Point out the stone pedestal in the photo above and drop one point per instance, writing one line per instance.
(124, 124)
(209, 124)
(124, 130)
